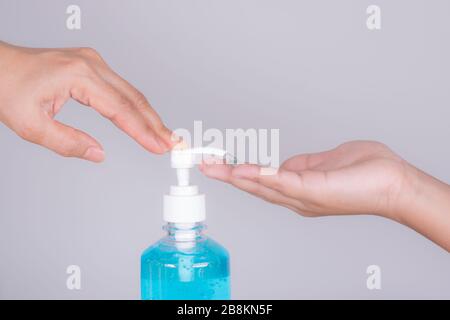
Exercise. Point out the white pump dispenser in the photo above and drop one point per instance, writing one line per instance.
(184, 204)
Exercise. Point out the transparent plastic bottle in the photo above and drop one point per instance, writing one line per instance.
(185, 265)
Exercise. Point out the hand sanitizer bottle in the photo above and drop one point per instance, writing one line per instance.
(185, 264)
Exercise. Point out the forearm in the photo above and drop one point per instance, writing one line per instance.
(8, 59)
(9, 71)
(426, 207)
(5, 54)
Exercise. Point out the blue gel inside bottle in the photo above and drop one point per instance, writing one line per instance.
(185, 265)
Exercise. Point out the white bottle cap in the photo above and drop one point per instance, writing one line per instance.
(184, 204)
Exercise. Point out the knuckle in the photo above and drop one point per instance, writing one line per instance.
(90, 53)
(87, 51)
(140, 101)
(78, 65)
(124, 103)
(64, 153)
(124, 106)
(69, 151)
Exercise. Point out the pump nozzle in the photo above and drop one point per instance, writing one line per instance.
(185, 159)
(184, 204)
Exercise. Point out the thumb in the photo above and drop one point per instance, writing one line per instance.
(70, 142)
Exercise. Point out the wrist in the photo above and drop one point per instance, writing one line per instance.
(424, 206)
(402, 196)
(8, 54)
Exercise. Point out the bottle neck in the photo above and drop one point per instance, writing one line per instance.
(182, 232)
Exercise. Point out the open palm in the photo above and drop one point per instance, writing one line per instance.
(355, 178)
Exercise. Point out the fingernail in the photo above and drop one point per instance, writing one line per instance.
(94, 154)
(175, 138)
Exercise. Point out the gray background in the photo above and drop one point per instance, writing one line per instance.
(310, 68)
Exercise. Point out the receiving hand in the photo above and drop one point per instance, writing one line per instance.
(356, 177)
(359, 177)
